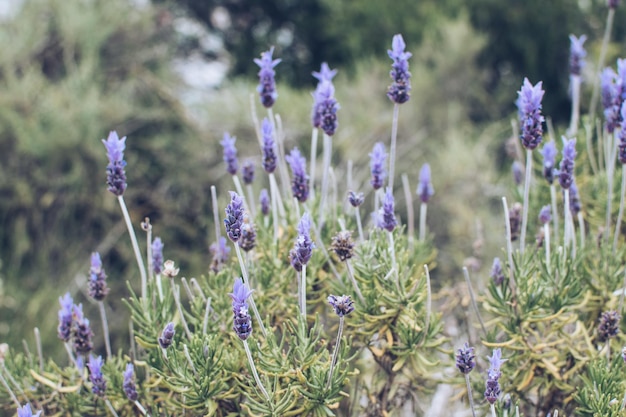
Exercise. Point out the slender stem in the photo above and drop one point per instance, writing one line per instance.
(197, 289)
(428, 300)
(141, 408)
(255, 119)
(555, 212)
(325, 171)
(423, 209)
(39, 351)
(216, 216)
(493, 410)
(110, 407)
(546, 243)
(70, 354)
(187, 289)
(239, 189)
(246, 280)
(176, 294)
(255, 373)
(333, 200)
(608, 353)
(581, 226)
(252, 205)
(620, 213)
(131, 333)
(621, 295)
(567, 214)
(509, 246)
(392, 150)
(603, 49)
(359, 225)
(159, 287)
(469, 394)
(354, 283)
(349, 185)
(529, 166)
(335, 351)
(278, 198)
(408, 196)
(303, 292)
(14, 382)
(207, 309)
(573, 126)
(274, 202)
(189, 361)
(299, 279)
(280, 141)
(133, 238)
(394, 264)
(105, 329)
(588, 140)
(148, 229)
(9, 390)
(314, 134)
(473, 298)
(610, 174)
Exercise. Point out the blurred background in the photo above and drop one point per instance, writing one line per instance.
(174, 75)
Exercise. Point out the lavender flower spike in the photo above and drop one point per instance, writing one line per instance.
(248, 171)
(27, 412)
(400, 90)
(325, 73)
(497, 275)
(566, 168)
(355, 199)
(220, 253)
(230, 153)
(300, 180)
(377, 165)
(129, 386)
(545, 214)
(247, 242)
(425, 188)
(234, 217)
(465, 359)
(116, 176)
(167, 336)
(97, 279)
(609, 325)
(269, 147)
(610, 98)
(303, 248)
(157, 255)
(98, 384)
(577, 54)
(549, 161)
(386, 219)
(82, 331)
(64, 330)
(613, 4)
(264, 200)
(267, 84)
(492, 390)
(325, 108)
(242, 321)
(574, 199)
(529, 108)
(622, 135)
(343, 305)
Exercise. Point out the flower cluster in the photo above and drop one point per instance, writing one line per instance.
(300, 180)
(492, 386)
(577, 54)
(234, 217)
(97, 279)
(248, 171)
(247, 242)
(242, 324)
(325, 105)
(230, 153)
(377, 165)
(220, 252)
(566, 168)
(497, 275)
(529, 109)
(269, 146)
(128, 385)
(343, 245)
(303, 248)
(264, 201)
(167, 336)
(465, 359)
(609, 325)
(81, 331)
(98, 384)
(549, 160)
(343, 304)
(425, 188)
(267, 84)
(386, 218)
(355, 199)
(610, 98)
(157, 255)
(400, 89)
(116, 176)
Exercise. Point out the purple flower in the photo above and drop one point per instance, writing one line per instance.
(549, 159)
(517, 170)
(577, 54)
(497, 275)
(129, 386)
(247, 242)
(574, 199)
(343, 304)
(264, 200)
(97, 279)
(230, 153)
(621, 135)
(300, 180)
(566, 168)
(355, 199)
(325, 74)
(515, 220)
(220, 252)
(529, 108)
(248, 171)
(465, 359)
(26, 411)
(303, 248)
(609, 325)
(492, 391)
(325, 108)
(425, 188)
(400, 90)
(269, 147)
(267, 85)
(386, 219)
(167, 336)
(98, 384)
(613, 3)
(545, 214)
(64, 331)
(83, 335)
(157, 255)
(610, 98)
(234, 217)
(116, 176)
(242, 321)
(377, 165)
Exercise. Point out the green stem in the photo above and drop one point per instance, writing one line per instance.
(392, 150)
(469, 394)
(529, 165)
(105, 329)
(255, 373)
(473, 298)
(133, 239)
(335, 351)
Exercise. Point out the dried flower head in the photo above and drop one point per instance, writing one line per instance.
(64, 330)
(269, 146)
(529, 109)
(167, 336)
(549, 160)
(400, 89)
(220, 253)
(234, 217)
(425, 188)
(577, 54)
(343, 245)
(608, 326)
(116, 176)
(169, 269)
(267, 84)
(98, 288)
(300, 179)
(242, 322)
(465, 359)
(230, 153)
(355, 199)
(248, 171)
(343, 304)
(566, 168)
(98, 384)
(377, 165)
(128, 385)
(157, 255)
(264, 201)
